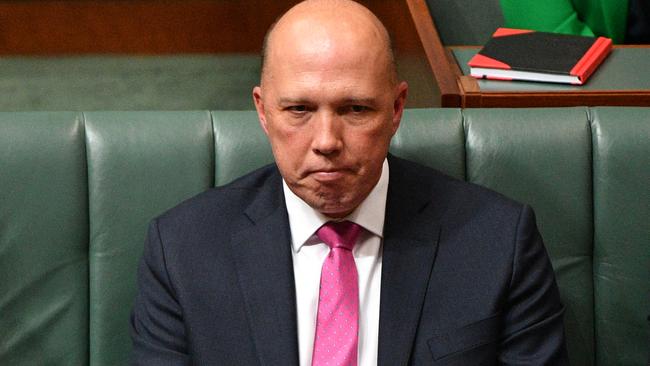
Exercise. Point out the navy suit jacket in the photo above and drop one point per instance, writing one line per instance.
(465, 278)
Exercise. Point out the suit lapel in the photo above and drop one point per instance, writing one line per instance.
(262, 255)
(409, 249)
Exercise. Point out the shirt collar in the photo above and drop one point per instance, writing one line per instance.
(304, 220)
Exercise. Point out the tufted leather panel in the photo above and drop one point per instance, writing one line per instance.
(622, 234)
(240, 145)
(543, 157)
(139, 164)
(43, 240)
(432, 139)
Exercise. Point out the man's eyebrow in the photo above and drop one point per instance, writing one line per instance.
(344, 101)
(285, 101)
(362, 101)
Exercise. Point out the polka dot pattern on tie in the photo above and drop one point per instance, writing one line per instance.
(337, 324)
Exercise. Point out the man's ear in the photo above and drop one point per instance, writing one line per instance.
(259, 106)
(401, 92)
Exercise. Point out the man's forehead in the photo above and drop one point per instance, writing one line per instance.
(325, 58)
(310, 60)
(325, 75)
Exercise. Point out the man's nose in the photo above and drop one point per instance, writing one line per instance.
(327, 139)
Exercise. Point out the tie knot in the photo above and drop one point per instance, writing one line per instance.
(339, 234)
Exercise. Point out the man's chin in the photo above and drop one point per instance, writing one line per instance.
(333, 207)
(337, 214)
(328, 198)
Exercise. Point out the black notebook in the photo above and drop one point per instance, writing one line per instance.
(517, 54)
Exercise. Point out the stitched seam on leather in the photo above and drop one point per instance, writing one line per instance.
(592, 115)
(88, 269)
(464, 127)
(213, 156)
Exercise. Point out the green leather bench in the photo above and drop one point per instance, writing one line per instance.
(77, 190)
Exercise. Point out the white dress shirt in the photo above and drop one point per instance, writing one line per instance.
(309, 253)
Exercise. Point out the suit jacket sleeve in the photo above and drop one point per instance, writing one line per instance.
(533, 331)
(157, 326)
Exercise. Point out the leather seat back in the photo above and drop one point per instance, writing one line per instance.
(621, 252)
(139, 164)
(43, 239)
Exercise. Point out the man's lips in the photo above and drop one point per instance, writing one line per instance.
(327, 175)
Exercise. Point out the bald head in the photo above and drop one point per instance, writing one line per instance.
(329, 102)
(325, 28)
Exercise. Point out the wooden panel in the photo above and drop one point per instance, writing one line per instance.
(436, 53)
(95, 26)
(54, 27)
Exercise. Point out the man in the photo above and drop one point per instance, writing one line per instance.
(337, 254)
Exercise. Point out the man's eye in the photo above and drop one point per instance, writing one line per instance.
(297, 108)
(354, 110)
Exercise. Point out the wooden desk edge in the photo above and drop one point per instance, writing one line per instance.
(630, 98)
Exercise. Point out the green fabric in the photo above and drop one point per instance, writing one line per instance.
(543, 157)
(43, 240)
(581, 17)
(139, 164)
(622, 234)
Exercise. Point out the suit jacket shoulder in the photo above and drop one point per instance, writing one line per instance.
(233, 197)
(450, 198)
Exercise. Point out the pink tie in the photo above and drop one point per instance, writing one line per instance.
(337, 324)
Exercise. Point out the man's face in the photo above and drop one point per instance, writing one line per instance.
(329, 116)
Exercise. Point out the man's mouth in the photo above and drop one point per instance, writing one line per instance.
(327, 175)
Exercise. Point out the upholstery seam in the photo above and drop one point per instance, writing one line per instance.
(590, 126)
(88, 238)
(464, 127)
(213, 153)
